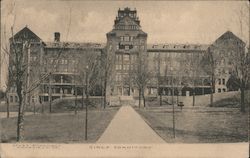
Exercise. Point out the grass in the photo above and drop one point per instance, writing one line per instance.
(233, 101)
(59, 128)
(58, 106)
(209, 125)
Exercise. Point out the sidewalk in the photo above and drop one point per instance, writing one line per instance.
(128, 127)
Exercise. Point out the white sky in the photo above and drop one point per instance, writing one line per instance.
(164, 21)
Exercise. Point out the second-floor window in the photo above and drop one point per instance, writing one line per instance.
(126, 47)
(126, 38)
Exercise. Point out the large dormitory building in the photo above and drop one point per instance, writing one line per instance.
(175, 66)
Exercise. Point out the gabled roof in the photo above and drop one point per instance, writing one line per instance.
(228, 35)
(26, 33)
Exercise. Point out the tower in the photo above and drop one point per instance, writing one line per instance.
(125, 43)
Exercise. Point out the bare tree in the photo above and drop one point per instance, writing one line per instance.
(107, 62)
(18, 63)
(89, 70)
(241, 57)
(141, 77)
(210, 67)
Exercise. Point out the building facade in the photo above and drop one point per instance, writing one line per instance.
(55, 67)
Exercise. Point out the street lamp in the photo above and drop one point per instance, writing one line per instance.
(172, 76)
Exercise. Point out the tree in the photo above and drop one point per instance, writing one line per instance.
(19, 52)
(107, 62)
(240, 59)
(208, 64)
(241, 72)
(141, 77)
(89, 70)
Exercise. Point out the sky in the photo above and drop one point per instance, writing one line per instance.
(89, 21)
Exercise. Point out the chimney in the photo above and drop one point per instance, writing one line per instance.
(57, 36)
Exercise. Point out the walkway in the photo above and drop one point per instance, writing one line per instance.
(128, 127)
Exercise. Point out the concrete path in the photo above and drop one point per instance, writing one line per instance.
(128, 127)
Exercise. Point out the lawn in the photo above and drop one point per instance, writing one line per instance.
(198, 125)
(59, 127)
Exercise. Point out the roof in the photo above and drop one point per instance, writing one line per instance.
(228, 35)
(74, 45)
(177, 47)
(135, 32)
(27, 33)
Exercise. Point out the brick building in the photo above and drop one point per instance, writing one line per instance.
(175, 66)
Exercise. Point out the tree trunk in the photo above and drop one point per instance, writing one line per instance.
(86, 116)
(34, 108)
(211, 97)
(75, 100)
(82, 97)
(104, 90)
(160, 99)
(42, 107)
(177, 97)
(139, 98)
(86, 109)
(143, 97)
(50, 98)
(20, 118)
(212, 93)
(242, 99)
(7, 104)
(193, 96)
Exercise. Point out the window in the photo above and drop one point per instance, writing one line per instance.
(142, 47)
(224, 90)
(126, 47)
(33, 99)
(219, 90)
(11, 99)
(16, 99)
(126, 57)
(126, 67)
(65, 69)
(122, 38)
(223, 81)
(126, 38)
(219, 81)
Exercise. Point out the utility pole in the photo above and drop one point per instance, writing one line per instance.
(172, 77)
(193, 78)
(87, 100)
(50, 94)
